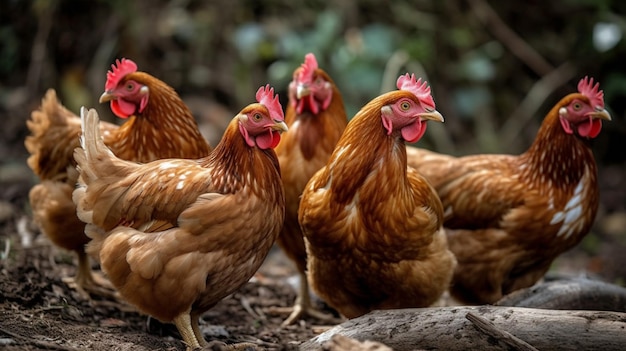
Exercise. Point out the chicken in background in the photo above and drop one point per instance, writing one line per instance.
(372, 226)
(176, 236)
(508, 217)
(158, 125)
(316, 119)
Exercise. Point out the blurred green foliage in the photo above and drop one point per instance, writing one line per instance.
(224, 49)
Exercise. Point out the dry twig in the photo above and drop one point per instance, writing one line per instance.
(490, 329)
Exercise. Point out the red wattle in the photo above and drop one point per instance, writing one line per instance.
(307, 103)
(414, 131)
(122, 108)
(275, 140)
(268, 140)
(590, 129)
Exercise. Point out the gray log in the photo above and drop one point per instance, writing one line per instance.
(447, 328)
(577, 293)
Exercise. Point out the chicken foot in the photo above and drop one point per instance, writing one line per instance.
(86, 282)
(303, 306)
(187, 325)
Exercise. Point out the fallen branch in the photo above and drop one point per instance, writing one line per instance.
(446, 328)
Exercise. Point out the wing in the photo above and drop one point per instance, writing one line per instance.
(476, 197)
(148, 197)
(476, 191)
(430, 165)
(220, 240)
(196, 232)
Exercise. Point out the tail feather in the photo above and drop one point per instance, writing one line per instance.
(99, 168)
(90, 139)
(92, 154)
(54, 135)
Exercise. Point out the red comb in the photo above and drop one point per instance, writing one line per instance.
(265, 96)
(417, 87)
(591, 91)
(118, 70)
(308, 68)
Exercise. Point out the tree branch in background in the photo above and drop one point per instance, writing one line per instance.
(393, 68)
(45, 13)
(509, 38)
(537, 95)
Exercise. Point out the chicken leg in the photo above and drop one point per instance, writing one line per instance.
(86, 282)
(187, 325)
(303, 307)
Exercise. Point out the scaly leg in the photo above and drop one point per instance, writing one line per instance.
(190, 321)
(85, 282)
(187, 329)
(196, 329)
(302, 306)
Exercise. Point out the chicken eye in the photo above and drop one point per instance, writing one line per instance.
(257, 117)
(130, 86)
(405, 106)
(577, 106)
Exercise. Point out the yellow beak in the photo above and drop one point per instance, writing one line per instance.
(280, 127)
(433, 116)
(106, 96)
(302, 90)
(601, 114)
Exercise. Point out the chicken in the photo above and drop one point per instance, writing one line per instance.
(372, 226)
(176, 236)
(158, 125)
(316, 119)
(508, 217)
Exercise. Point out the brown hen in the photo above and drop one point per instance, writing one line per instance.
(316, 119)
(158, 125)
(176, 236)
(372, 226)
(508, 217)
